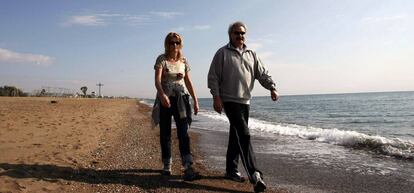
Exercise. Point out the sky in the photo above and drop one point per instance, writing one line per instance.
(309, 46)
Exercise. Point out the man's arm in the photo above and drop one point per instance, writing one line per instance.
(262, 75)
(214, 78)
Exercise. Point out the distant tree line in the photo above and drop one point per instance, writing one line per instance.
(11, 91)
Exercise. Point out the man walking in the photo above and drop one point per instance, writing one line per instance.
(231, 79)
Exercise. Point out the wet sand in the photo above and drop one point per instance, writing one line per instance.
(91, 145)
(294, 175)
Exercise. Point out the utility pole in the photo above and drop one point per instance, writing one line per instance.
(100, 85)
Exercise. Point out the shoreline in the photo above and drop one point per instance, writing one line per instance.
(293, 174)
(92, 145)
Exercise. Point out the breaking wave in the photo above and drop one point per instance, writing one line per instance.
(394, 147)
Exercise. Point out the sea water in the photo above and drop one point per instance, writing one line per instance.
(370, 133)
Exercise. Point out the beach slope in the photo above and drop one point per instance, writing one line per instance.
(91, 145)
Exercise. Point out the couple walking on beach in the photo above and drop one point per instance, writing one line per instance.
(231, 77)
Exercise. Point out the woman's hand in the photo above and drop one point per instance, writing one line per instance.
(165, 101)
(196, 107)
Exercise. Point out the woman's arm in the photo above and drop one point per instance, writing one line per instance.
(190, 89)
(165, 101)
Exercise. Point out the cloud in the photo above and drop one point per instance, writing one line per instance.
(179, 29)
(258, 44)
(384, 18)
(108, 15)
(255, 45)
(86, 20)
(395, 24)
(187, 28)
(266, 39)
(136, 19)
(9, 56)
(266, 56)
(201, 27)
(104, 19)
(165, 14)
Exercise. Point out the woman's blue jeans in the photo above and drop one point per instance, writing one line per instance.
(182, 133)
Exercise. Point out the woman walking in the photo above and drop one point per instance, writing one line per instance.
(173, 83)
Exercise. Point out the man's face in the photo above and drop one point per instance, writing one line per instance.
(237, 36)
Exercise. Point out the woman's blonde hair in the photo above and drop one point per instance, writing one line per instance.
(168, 38)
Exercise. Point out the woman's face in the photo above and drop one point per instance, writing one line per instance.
(174, 44)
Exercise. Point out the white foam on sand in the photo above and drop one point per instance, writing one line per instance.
(387, 146)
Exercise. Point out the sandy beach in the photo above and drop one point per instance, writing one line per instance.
(91, 145)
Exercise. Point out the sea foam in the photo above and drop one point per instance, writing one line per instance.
(394, 147)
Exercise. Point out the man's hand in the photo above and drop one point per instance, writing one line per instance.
(218, 105)
(274, 95)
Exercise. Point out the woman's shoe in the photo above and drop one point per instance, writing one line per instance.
(166, 171)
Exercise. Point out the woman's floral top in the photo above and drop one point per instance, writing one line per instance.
(172, 79)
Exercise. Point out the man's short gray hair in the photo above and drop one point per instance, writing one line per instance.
(235, 24)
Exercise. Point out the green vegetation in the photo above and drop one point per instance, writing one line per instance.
(11, 91)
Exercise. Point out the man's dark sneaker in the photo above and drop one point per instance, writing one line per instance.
(236, 176)
(259, 185)
(190, 174)
(166, 172)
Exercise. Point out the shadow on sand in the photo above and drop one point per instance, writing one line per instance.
(147, 179)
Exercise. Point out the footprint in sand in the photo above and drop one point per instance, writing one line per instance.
(70, 159)
(13, 186)
(46, 189)
(77, 146)
(64, 145)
